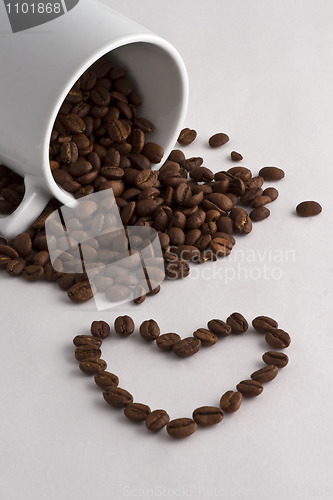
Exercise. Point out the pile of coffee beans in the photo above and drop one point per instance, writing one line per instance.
(88, 353)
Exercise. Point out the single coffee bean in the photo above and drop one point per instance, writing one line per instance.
(218, 140)
(124, 326)
(186, 136)
(81, 340)
(242, 172)
(177, 269)
(87, 352)
(207, 415)
(236, 156)
(100, 329)
(33, 272)
(156, 420)
(23, 244)
(237, 322)
(117, 130)
(264, 324)
(278, 339)
(176, 155)
(41, 258)
(201, 174)
(105, 379)
(117, 397)
(250, 388)
(271, 192)
(259, 213)
(256, 182)
(9, 252)
(271, 173)
(137, 412)
(260, 201)
(149, 330)
(206, 337)
(187, 347)
(221, 246)
(219, 327)
(91, 367)
(166, 341)
(153, 152)
(231, 401)
(265, 374)
(82, 291)
(181, 427)
(308, 209)
(278, 359)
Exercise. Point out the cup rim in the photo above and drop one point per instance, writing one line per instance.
(149, 38)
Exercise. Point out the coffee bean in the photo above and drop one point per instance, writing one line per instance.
(166, 341)
(81, 340)
(186, 252)
(10, 252)
(259, 201)
(33, 272)
(149, 330)
(50, 273)
(231, 401)
(186, 136)
(250, 388)
(260, 213)
(117, 397)
(74, 123)
(156, 420)
(181, 427)
(153, 152)
(221, 246)
(100, 329)
(105, 379)
(237, 322)
(236, 156)
(186, 347)
(278, 338)
(117, 130)
(264, 324)
(23, 244)
(308, 209)
(87, 352)
(201, 174)
(218, 140)
(250, 195)
(207, 415)
(81, 292)
(265, 374)
(278, 359)
(145, 179)
(206, 337)
(221, 201)
(15, 267)
(41, 258)
(242, 172)
(219, 327)
(137, 412)
(124, 326)
(256, 182)
(271, 173)
(271, 192)
(91, 367)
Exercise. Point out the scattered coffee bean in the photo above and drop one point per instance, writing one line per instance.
(105, 379)
(206, 337)
(15, 267)
(219, 327)
(271, 192)
(100, 329)
(236, 156)
(238, 323)
(81, 340)
(308, 209)
(87, 352)
(181, 427)
(271, 173)
(166, 341)
(187, 136)
(265, 374)
(231, 401)
(278, 339)
(137, 412)
(149, 330)
(81, 292)
(207, 415)
(91, 367)
(117, 397)
(124, 326)
(264, 324)
(278, 359)
(218, 140)
(249, 388)
(260, 213)
(156, 420)
(186, 347)
(33, 272)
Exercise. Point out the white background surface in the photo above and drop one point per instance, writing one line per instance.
(261, 71)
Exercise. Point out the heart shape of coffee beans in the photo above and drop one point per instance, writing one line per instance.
(88, 353)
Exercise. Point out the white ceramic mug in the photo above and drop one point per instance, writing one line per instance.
(40, 65)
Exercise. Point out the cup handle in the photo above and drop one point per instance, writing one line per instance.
(31, 206)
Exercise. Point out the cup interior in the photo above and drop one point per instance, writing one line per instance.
(158, 75)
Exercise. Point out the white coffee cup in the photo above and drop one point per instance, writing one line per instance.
(40, 65)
